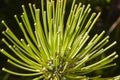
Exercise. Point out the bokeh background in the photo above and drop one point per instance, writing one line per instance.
(108, 21)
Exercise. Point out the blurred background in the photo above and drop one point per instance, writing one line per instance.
(108, 21)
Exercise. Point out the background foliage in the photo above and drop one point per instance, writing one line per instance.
(110, 15)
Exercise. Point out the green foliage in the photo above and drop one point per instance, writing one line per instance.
(53, 49)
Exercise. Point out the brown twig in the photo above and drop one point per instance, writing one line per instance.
(114, 25)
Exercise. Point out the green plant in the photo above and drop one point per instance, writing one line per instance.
(55, 49)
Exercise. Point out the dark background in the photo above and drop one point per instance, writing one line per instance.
(110, 10)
